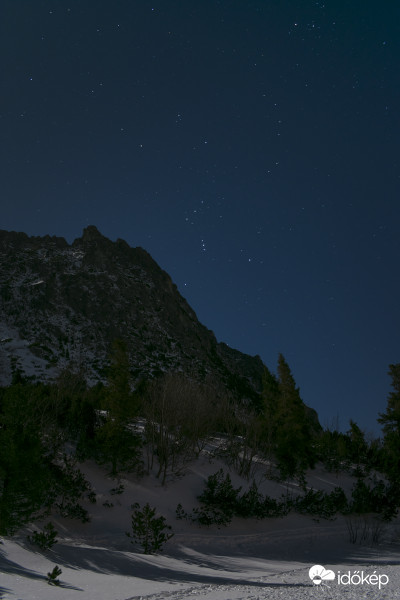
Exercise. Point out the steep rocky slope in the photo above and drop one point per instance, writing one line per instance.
(63, 303)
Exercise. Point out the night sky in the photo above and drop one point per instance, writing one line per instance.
(250, 146)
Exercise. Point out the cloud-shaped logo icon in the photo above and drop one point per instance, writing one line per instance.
(318, 574)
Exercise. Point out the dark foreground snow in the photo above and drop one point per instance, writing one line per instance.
(249, 560)
(94, 573)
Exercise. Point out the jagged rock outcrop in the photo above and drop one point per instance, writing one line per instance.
(63, 303)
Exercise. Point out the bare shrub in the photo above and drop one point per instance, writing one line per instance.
(179, 420)
(367, 530)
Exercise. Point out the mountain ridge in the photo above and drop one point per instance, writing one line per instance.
(64, 304)
(67, 302)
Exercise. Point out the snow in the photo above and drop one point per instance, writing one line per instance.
(36, 282)
(13, 346)
(92, 572)
(249, 560)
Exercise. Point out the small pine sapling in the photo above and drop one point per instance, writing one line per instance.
(44, 539)
(92, 497)
(180, 512)
(149, 531)
(52, 576)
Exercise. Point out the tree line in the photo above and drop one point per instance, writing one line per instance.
(162, 425)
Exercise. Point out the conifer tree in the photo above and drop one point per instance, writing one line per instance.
(52, 576)
(148, 530)
(391, 425)
(358, 445)
(119, 397)
(22, 454)
(293, 445)
(270, 401)
(116, 444)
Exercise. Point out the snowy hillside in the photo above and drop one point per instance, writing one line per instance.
(249, 559)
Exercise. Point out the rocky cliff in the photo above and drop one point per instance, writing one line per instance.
(65, 303)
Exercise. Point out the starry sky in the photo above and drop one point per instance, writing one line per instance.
(251, 146)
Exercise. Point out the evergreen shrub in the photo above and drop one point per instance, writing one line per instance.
(148, 530)
(44, 539)
(52, 576)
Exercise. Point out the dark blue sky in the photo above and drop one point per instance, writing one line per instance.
(252, 147)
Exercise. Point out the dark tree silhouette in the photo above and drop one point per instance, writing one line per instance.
(391, 426)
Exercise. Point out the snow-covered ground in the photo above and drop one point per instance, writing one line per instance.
(250, 559)
(12, 346)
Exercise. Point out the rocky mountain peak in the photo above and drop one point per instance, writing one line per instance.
(91, 235)
(63, 303)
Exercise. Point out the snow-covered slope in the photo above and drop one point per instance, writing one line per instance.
(247, 560)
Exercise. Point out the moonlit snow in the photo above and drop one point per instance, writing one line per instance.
(249, 560)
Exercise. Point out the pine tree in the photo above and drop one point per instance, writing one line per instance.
(391, 425)
(119, 397)
(115, 443)
(293, 445)
(358, 445)
(148, 530)
(44, 539)
(270, 395)
(52, 576)
(391, 418)
(22, 453)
